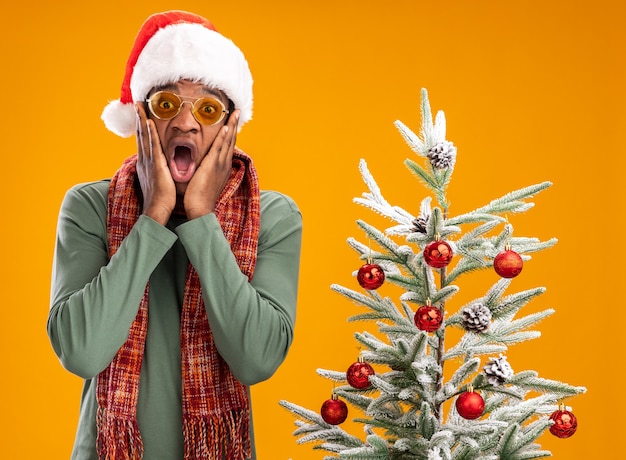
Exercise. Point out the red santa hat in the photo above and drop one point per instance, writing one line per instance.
(177, 45)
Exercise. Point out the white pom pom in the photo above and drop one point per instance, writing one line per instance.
(120, 118)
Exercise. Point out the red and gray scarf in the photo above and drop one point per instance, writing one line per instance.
(216, 410)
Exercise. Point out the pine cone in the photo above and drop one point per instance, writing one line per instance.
(498, 370)
(419, 224)
(442, 155)
(476, 318)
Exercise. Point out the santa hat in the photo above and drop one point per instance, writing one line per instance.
(177, 45)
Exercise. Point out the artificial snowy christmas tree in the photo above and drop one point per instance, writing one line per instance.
(412, 409)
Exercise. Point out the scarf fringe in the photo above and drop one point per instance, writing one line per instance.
(218, 437)
(118, 438)
(223, 433)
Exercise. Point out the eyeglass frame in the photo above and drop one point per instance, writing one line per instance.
(193, 106)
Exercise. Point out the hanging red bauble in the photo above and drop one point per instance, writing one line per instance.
(358, 374)
(470, 405)
(438, 254)
(565, 423)
(371, 276)
(508, 263)
(334, 411)
(428, 318)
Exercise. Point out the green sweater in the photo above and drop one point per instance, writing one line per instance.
(94, 301)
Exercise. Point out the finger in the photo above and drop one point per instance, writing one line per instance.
(138, 135)
(141, 110)
(142, 149)
(233, 123)
(154, 145)
(231, 138)
(228, 137)
(150, 152)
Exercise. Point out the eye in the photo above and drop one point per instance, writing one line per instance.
(164, 105)
(208, 110)
(208, 107)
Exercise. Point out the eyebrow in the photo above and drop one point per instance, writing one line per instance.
(172, 87)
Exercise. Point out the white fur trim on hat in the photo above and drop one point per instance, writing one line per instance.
(120, 118)
(184, 51)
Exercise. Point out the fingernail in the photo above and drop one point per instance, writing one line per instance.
(225, 128)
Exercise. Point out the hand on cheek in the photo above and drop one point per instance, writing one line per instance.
(211, 176)
(157, 185)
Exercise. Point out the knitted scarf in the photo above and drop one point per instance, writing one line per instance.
(216, 410)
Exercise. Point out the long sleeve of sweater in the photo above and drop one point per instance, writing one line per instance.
(252, 322)
(94, 300)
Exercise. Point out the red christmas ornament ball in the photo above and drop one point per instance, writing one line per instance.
(438, 254)
(508, 264)
(470, 405)
(428, 318)
(565, 423)
(358, 375)
(371, 276)
(334, 411)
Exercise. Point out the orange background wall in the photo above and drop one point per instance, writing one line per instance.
(532, 91)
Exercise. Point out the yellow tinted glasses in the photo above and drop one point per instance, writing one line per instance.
(165, 105)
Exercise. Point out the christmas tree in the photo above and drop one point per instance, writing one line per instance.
(479, 408)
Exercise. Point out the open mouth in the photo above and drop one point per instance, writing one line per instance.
(182, 159)
(182, 165)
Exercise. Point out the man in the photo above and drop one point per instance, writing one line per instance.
(174, 283)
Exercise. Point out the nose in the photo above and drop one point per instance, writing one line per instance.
(185, 120)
